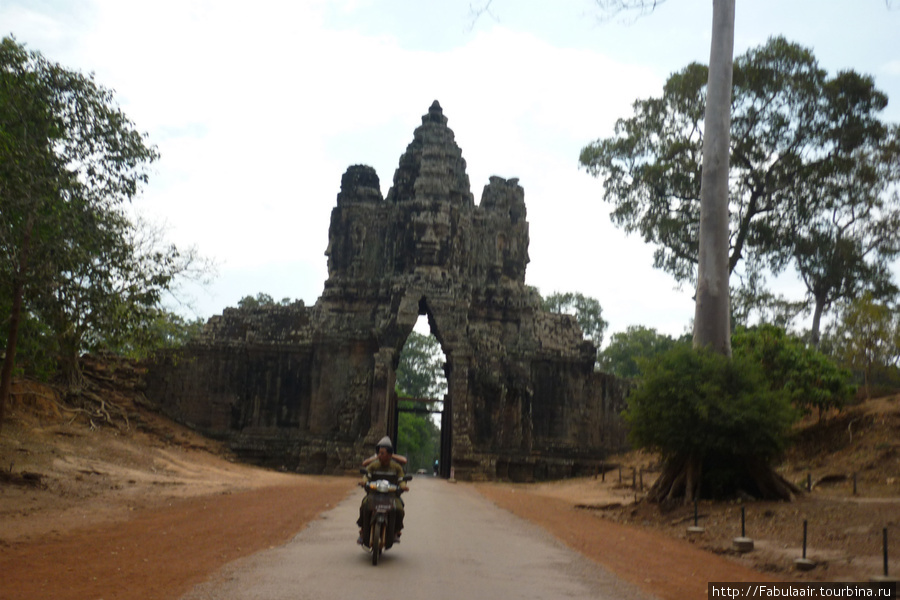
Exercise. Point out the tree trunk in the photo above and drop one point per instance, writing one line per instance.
(712, 316)
(15, 317)
(9, 359)
(681, 479)
(816, 323)
(769, 484)
(867, 376)
(712, 313)
(69, 362)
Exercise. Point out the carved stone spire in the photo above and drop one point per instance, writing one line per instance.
(432, 166)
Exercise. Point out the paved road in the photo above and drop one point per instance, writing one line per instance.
(456, 545)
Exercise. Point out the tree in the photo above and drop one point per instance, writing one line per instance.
(867, 337)
(161, 330)
(109, 289)
(715, 422)
(28, 174)
(711, 322)
(130, 318)
(419, 375)
(847, 216)
(69, 158)
(75, 266)
(712, 325)
(419, 439)
(628, 351)
(587, 311)
(803, 148)
(420, 371)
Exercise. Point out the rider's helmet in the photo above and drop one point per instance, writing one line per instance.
(385, 443)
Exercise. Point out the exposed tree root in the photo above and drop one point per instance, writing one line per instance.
(681, 478)
(105, 391)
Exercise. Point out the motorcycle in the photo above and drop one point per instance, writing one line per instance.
(381, 531)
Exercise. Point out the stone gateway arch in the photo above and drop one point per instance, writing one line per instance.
(311, 389)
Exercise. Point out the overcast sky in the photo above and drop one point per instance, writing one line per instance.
(258, 107)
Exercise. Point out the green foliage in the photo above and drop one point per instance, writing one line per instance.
(111, 301)
(866, 337)
(36, 350)
(812, 170)
(420, 371)
(845, 230)
(627, 351)
(72, 261)
(752, 302)
(262, 299)
(419, 375)
(810, 379)
(587, 311)
(701, 404)
(160, 330)
(419, 439)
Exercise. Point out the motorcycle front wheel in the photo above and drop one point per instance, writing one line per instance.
(376, 543)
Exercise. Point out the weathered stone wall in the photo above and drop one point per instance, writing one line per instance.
(312, 388)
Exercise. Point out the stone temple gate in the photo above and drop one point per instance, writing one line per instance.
(312, 388)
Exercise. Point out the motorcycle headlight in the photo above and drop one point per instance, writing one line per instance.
(382, 486)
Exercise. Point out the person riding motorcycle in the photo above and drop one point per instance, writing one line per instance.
(384, 451)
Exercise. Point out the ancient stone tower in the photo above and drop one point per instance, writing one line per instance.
(312, 388)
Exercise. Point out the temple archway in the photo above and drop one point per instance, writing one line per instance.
(313, 388)
(423, 397)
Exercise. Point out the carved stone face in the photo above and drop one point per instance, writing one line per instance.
(431, 235)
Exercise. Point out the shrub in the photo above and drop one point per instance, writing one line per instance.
(811, 380)
(711, 415)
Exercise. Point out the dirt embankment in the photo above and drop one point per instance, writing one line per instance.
(149, 510)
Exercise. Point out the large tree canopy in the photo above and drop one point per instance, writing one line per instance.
(846, 216)
(803, 147)
(72, 261)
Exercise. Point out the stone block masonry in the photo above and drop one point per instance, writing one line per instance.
(311, 389)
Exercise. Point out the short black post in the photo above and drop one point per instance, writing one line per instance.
(641, 479)
(695, 529)
(603, 476)
(633, 478)
(884, 552)
(620, 474)
(743, 543)
(808, 482)
(804, 538)
(804, 564)
(854, 484)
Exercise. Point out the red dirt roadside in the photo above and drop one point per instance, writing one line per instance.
(147, 512)
(161, 553)
(665, 567)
